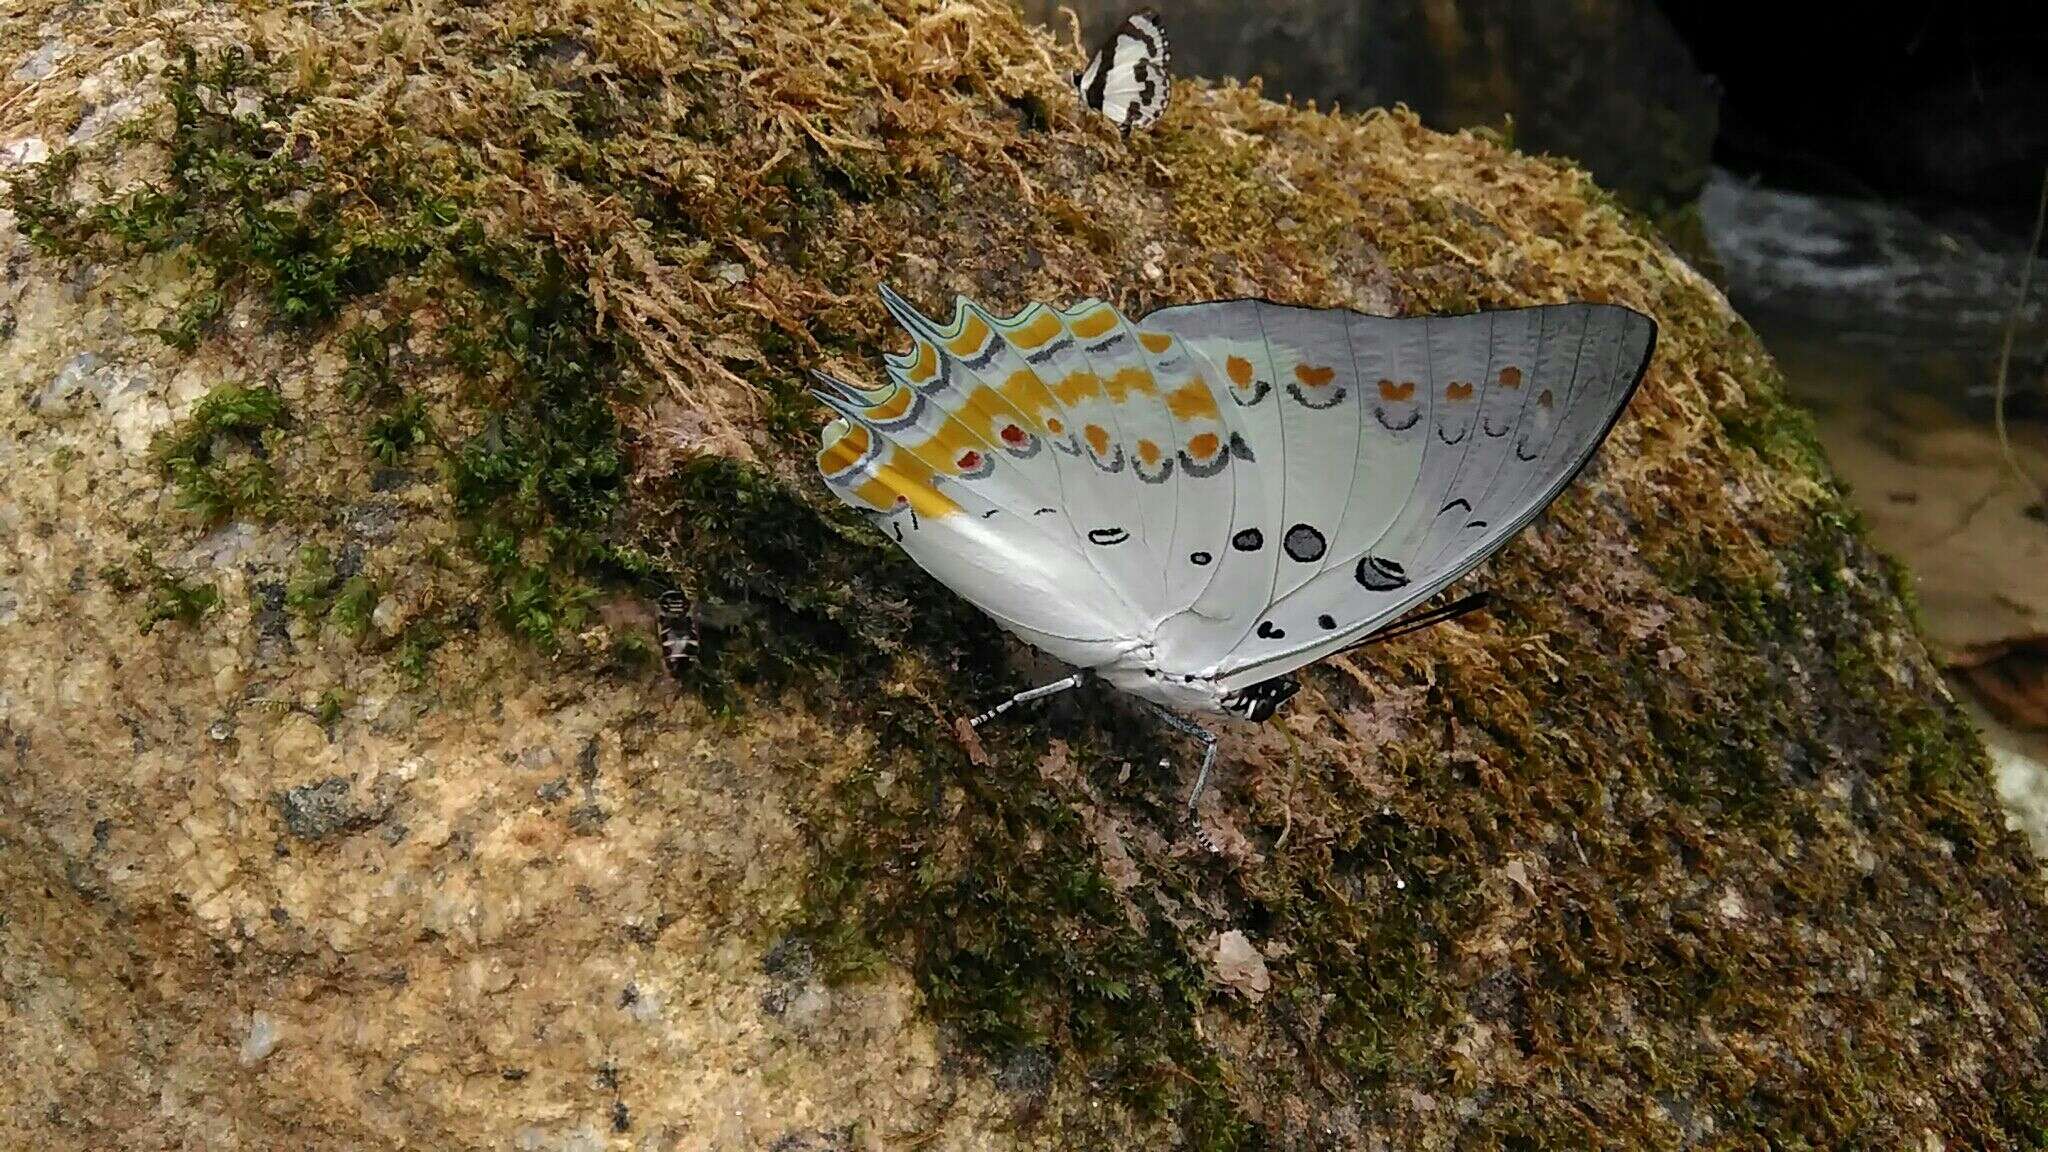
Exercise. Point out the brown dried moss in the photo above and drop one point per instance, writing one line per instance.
(1681, 846)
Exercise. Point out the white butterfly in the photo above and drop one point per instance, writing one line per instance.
(1126, 80)
(1193, 505)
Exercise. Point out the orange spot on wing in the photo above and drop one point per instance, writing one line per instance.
(1155, 342)
(1127, 381)
(1543, 398)
(973, 335)
(906, 479)
(1392, 391)
(1094, 323)
(1240, 371)
(1148, 452)
(1053, 425)
(1077, 387)
(844, 452)
(1457, 392)
(1039, 330)
(1204, 445)
(1313, 376)
(1191, 401)
(1098, 439)
(1511, 377)
(926, 365)
(894, 407)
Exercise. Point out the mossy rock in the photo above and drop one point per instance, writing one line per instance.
(362, 389)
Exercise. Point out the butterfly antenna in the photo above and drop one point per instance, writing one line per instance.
(1421, 620)
(1028, 695)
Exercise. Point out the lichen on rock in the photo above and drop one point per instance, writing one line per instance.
(1681, 845)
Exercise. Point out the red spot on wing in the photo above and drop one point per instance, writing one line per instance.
(1012, 434)
(969, 461)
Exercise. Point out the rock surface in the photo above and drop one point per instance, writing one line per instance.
(335, 811)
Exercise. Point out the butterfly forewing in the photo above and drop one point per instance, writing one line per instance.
(1593, 356)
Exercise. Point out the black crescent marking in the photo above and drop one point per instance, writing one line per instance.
(1248, 540)
(1050, 350)
(1165, 471)
(1377, 575)
(1525, 459)
(1241, 450)
(1336, 397)
(990, 512)
(1043, 511)
(1491, 434)
(1380, 414)
(1450, 443)
(1031, 447)
(1107, 536)
(1259, 391)
(1461, 502)
(1069, 445)
(1268, 632)
(941, 379)
(1475, 524)
(1204, 471)
(986, 356)
(1115, 465)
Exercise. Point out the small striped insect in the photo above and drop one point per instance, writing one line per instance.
(1126, 80)
(678, 624)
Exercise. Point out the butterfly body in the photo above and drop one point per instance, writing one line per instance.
(1193, 505)
(677, 625)
(1127, 80)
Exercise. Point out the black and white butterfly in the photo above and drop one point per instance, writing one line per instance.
(1126, 80)
(678, 622)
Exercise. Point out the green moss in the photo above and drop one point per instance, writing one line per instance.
(253, 202)
(397, 431)
(217, 458)
(172, 599)
(310, 590)
(416, 648)
(332, 704)
(353, 603)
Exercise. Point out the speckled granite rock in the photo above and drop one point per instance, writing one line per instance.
(1684, 848)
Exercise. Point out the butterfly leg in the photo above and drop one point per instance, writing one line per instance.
(1052, 689)
(1188, 727)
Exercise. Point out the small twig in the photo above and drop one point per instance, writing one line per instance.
(2012, 324)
